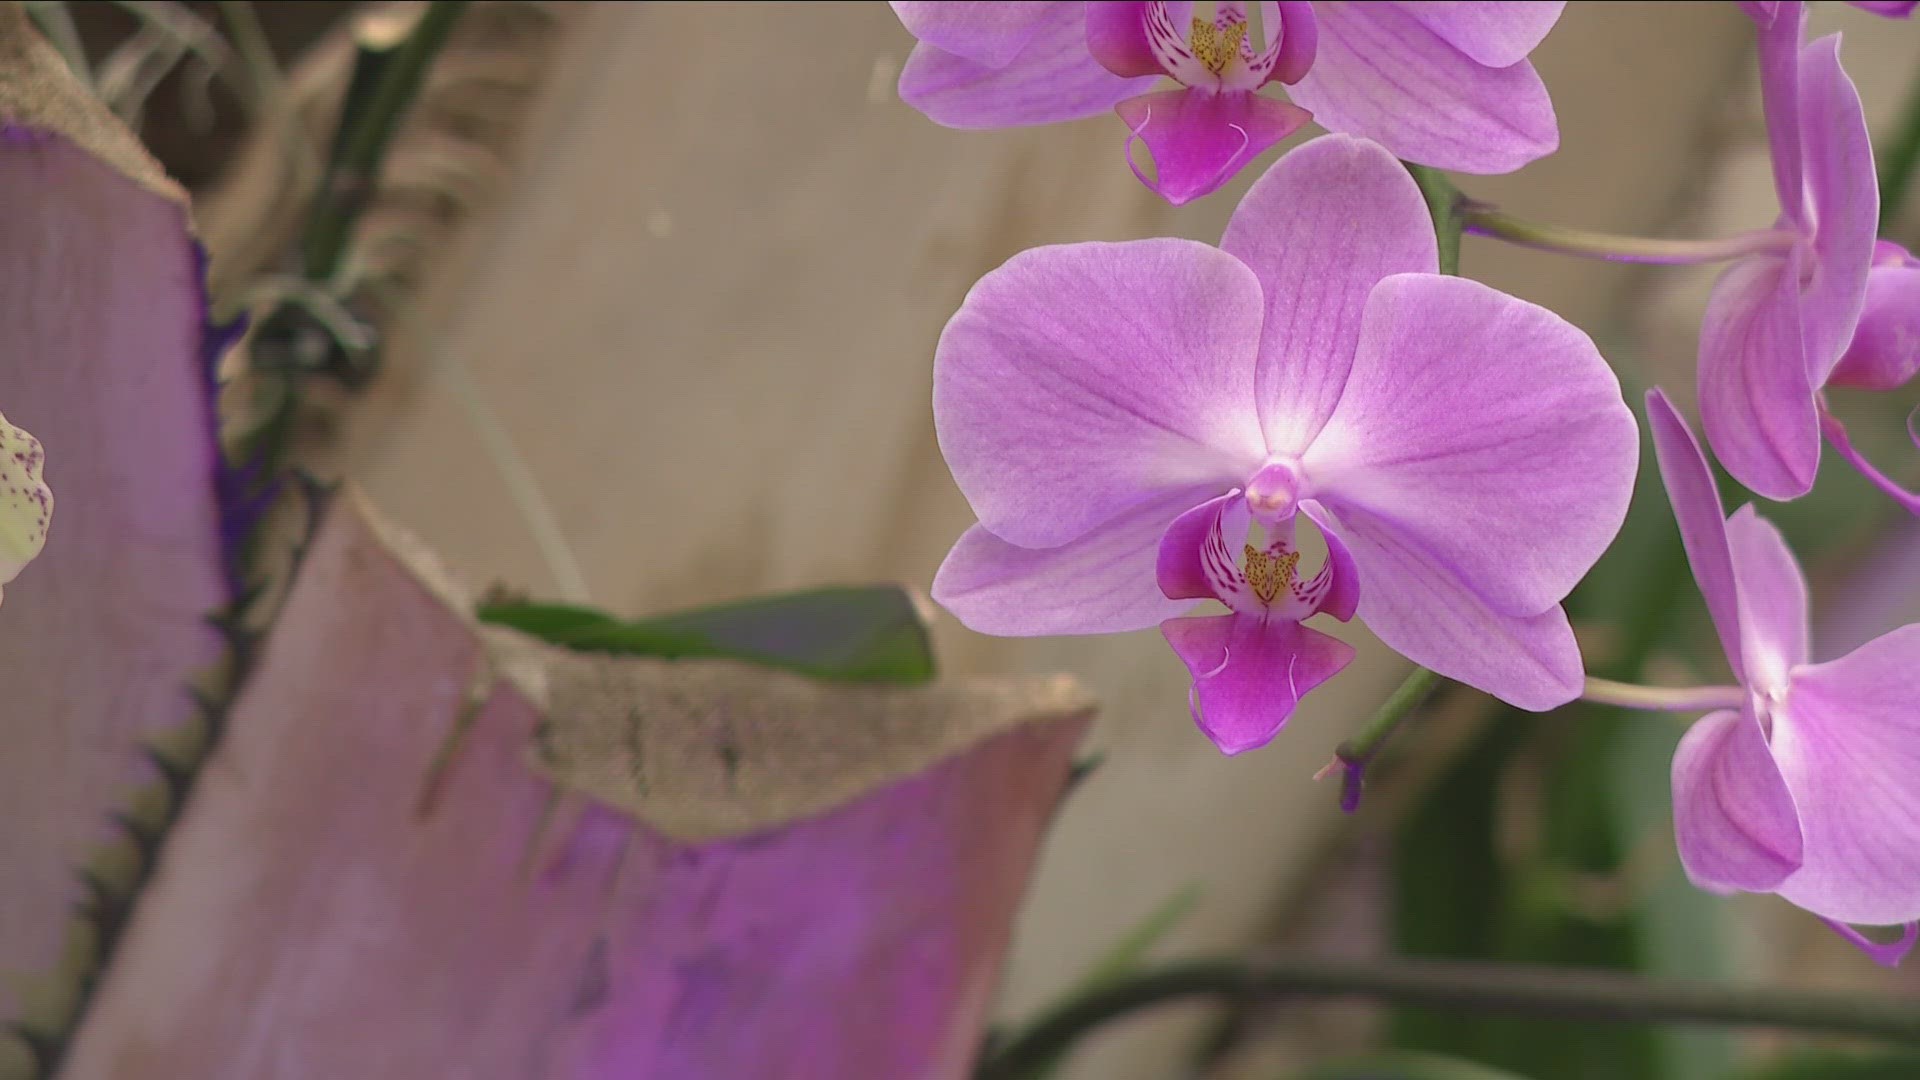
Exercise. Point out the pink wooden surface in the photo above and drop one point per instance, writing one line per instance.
(318, 915)
(100, 335)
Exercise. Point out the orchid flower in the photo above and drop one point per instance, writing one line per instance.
(26, 504)
(1885, 350)
(1443, 84)
(1122, 416)
(1828, 304)
(1765, 11)
(1806, 780)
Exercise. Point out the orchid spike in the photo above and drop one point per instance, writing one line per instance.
(1122, 417)
(26, 504)
(1883, 355)
(1780, 324)
(1765, 12)
(1447, 85)
(1810, 789)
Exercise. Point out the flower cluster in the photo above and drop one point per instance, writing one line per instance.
(1446, 85)
(1310, 419)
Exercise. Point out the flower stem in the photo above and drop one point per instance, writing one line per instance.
(1662, 698)
(1483, 220)
(1443, 202)
(1352, 757)
(361, 145)
(1509, 989)
(1836, 434)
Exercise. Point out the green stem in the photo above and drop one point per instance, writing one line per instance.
(1482, 220)
(1352, 757)
(348, 182)
(1509, 989)
(1443, 202)
(1662, 698)
(1897, 163)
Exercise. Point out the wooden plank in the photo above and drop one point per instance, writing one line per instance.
(101, 335)
(378, 876)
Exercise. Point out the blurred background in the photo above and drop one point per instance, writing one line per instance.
(664, 281)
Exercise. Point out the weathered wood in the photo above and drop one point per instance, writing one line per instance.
(101, 335)
(377, 876)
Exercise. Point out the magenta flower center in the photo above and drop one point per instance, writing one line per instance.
(1216, 46)
(1214, 54)
(1266, 579)
(1767, 695)
(1274, 492)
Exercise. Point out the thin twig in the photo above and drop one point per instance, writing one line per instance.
(1507, 989)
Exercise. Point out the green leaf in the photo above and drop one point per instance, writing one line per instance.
(849, 634)
(1405, 1066)
(1901, 1065)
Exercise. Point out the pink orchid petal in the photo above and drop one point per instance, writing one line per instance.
(1487, 433)
(1299, 40)
(1421, 611)
(1052, 78)
(1080, 380)
(1702, 521)
(1382, 74)
(1496, 34)
(1343, 599)
(1249, 673)
(1892, 9)
(1199, 551)
(1778, 40)
(1848, 743)
(1884, 953)
(1199, 139)
(1756, 397)
(1101, 583)
(1117, 33)
(1846, 206)
(1773, 599)
(1762, 12)
(988, 32)
(1733, 818)
(1885, 351)
(1321, 228)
